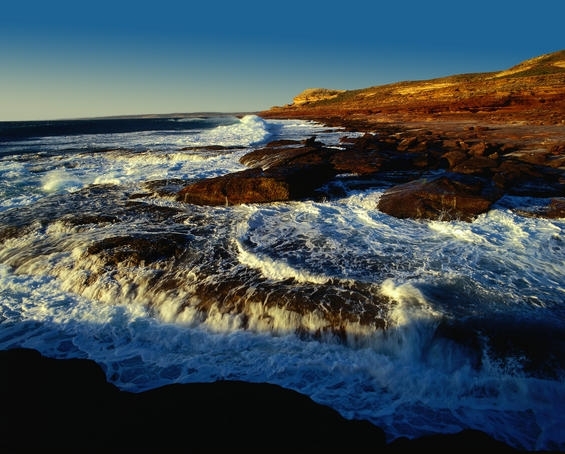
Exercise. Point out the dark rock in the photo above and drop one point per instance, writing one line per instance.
(454, 157)
(359, 162)
(516, 177)
(51, 405)
(268, 157)
(277, 173)
(407, 143)
(255, 185)
(283, 143)
(444, 197)
(478, 171)
(465, 441)
(134, 250)
(558, 149)
(476, 165)
(556, 208)
(479, 149)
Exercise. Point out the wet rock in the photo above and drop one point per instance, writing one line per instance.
(454, 158)
(94, 416)
(138, 249)
(556, 208)
(517, 177)
(268, 157)
(501, 158)
(445, 197)
(359, 162)
(476, 165)
(255, 185)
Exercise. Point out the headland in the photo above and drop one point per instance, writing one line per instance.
(453, 146)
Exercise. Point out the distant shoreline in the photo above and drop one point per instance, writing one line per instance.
(238, 114)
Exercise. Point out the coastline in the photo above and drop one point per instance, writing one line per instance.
(515, 148)
(532, 132)
(219, 415)
(69, 406)
(445, 169)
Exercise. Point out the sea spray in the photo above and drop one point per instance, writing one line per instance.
(412, 322)
(404, 323)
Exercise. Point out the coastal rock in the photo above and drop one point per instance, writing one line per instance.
(474, 172)
(93, 415)
(278, 172)
(311, 153)
(556, 208)
(532, 90)
(476, 165)
(505, 129)
(315, 95)
(446, 197)
(255, 185)
(516, 177)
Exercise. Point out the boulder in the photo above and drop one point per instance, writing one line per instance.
(447, 196)
(475, 172)
(277, 172)
(269, 156)
(275, 184)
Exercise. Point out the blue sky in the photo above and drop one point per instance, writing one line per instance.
(64, 59)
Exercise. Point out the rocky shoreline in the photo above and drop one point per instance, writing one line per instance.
(441, 160)
(67, 405)
(447, 148)
(432, 170)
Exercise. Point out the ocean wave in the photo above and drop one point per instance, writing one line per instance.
(250, 130)
(442, 326)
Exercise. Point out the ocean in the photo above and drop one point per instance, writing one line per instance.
(418, 326)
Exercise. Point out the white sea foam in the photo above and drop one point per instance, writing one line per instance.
(60, 180)
(249, 131)
(277, 270)
(407, 379)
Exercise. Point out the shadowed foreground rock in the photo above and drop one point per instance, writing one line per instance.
(53, 405)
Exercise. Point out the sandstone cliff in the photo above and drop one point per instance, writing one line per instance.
(492, 134)
(314, 95)
(532, 91)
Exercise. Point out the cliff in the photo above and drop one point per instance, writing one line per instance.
(532, 91)
(420, 128)
(314, 95)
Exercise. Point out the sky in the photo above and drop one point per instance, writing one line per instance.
(63, 59)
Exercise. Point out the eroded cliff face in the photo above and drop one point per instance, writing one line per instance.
(314, 95)
(491, 133)
(532, 91)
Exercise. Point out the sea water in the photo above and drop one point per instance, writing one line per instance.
(473, 313)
